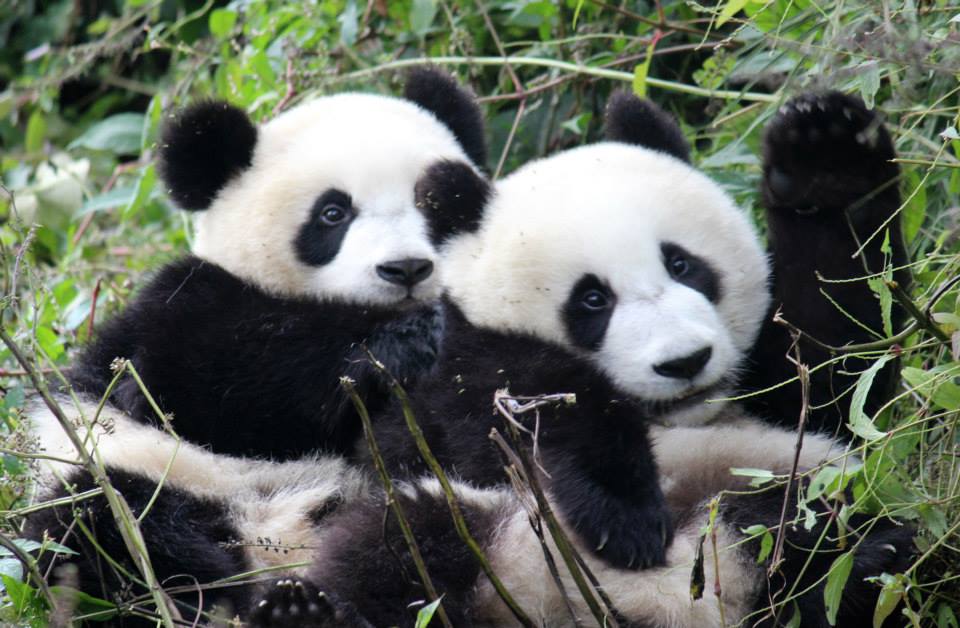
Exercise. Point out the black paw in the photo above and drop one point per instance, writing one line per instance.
(628, 537)
(296, 604)
(408, 346)
(826, 151)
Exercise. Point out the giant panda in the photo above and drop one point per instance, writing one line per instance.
(657, 281)
(308, 243)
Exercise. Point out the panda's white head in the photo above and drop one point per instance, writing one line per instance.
(624, 253)
(319, 202)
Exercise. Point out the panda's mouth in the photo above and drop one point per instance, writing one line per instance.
(688, 398)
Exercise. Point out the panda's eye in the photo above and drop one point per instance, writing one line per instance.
(332, 215)
(595, 300)
(678, 265)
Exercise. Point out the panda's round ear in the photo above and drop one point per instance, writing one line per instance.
(457, 108)
(202, 148)
(634, 120)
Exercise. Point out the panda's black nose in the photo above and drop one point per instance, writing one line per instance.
(686, 367)
(405, 272)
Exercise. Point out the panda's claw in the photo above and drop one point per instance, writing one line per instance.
(294, 603)
(824, 152)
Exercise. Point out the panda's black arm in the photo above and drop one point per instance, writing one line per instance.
(608, 490)
(828, 186)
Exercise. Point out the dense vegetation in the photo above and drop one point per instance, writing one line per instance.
(83, 86)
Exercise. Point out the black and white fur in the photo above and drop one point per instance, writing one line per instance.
(244, 342)
(308, 243)
(678, 269)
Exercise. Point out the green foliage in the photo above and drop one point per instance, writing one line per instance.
(83, 86)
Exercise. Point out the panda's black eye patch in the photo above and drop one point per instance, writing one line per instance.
(320, 237)
(586, 314)
(690, 270)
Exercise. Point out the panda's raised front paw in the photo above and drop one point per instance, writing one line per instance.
(629, 537)
(408, 346)
(823, 152)
(293, 603)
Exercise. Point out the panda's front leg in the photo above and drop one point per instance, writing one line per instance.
(829, 186)
(616, 507)
(295, 603)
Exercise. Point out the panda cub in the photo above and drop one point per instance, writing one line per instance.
(658, 286)
(308, 243)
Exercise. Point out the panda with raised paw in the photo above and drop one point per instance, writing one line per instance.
(660, 288)
(308, 243)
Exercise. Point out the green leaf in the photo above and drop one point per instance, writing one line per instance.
(825, 479)
(145, 183)
(732, 7)
(836, 581)
(151, 122)
(426, 613)
(890, 595)
(760, 476)
(119, 134)
(422, 14)
(936, 384)
(946, 618)
(222, 22)
(868, 78)
(349, 23)
(36, 130)
(916, 209)
(766, 540)
(860, 424)
(114, 198)
(640, 72)
(83, 603)
(12, 568)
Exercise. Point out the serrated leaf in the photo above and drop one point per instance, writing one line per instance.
(426, 613)
(860, 424)
(119, 134)
(422, 13)
(222, 22)
(836, 581)
(731, 8)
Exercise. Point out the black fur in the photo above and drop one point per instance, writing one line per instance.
(453, 197)
(826, 160)
(885, 547)
(634, 120)
(201, 149)
(318, 241)
(438, 92)
(602, 472)
(364, 563)
(191, 540)
(248, 373)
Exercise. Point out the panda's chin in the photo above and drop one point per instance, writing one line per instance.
(693, 406)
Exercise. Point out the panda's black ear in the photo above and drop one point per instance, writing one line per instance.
(452, 196)
(457, 108)
(634, 120)
(202, 148)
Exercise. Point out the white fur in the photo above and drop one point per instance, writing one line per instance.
(371, 147)
(606, 209)
(266, 499)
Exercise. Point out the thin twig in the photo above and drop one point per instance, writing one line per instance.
(392, 501)
(900, 295)
(452, 502)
